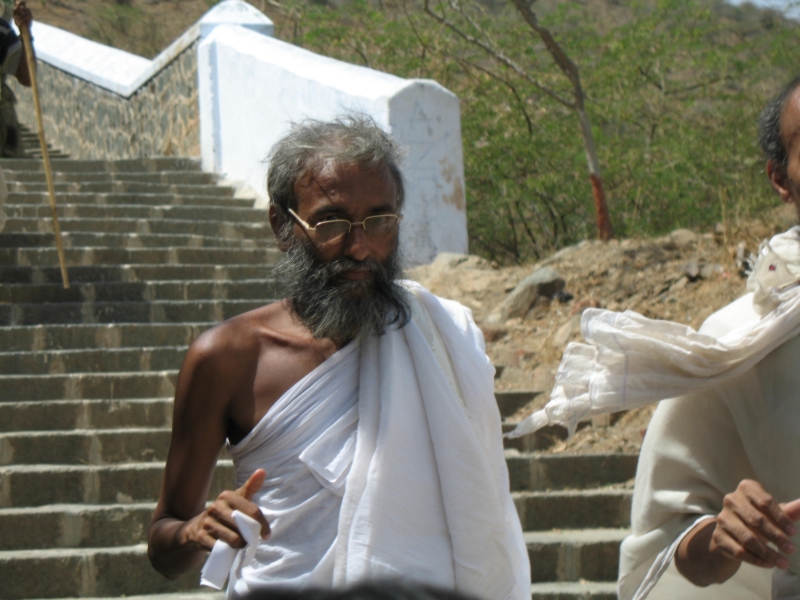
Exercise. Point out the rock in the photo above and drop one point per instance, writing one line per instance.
(708, 270)
(542, 282)
(543, 378)
(680, 238)
(695, 270)
(584, 303)
(492, 334)
(692, 271)
(566, 331)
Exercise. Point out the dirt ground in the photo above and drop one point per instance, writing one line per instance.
(683, 277)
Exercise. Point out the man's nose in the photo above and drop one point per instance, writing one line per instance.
(356, 244)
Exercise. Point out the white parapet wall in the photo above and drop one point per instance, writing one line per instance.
(252, 87)
(245, 88)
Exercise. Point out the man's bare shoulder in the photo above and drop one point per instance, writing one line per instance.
(240, 339)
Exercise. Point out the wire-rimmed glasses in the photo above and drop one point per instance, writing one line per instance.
(328, 231)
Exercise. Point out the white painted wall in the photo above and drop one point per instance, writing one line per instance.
(251, 87)
(122, 72)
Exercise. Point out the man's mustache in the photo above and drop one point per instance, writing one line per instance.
(345, 265)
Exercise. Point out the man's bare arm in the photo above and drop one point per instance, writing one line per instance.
(182, 529)
(751, 519)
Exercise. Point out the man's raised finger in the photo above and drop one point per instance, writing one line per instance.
(251, 486)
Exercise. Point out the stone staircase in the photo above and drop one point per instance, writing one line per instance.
(157, 253)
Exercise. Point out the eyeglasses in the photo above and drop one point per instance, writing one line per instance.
(328, 231)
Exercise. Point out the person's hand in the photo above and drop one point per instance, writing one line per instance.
(22, 14)
(752, 518)
(217, 522)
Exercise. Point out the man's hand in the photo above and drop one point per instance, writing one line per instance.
(750, 520)
(217, 523)
(22, 14)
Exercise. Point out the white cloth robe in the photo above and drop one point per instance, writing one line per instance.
(415, 469)
(697, 449)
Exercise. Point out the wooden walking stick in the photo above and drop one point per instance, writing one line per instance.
(26, 41)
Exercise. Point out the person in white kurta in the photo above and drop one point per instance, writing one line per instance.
(716, 490)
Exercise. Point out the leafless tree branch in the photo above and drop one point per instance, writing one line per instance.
(496, 55)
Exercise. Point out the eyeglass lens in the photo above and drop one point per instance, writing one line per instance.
(376, 225)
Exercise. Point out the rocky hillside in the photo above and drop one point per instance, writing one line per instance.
(684, 277)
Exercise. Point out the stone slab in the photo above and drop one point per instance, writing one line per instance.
(41, 485)
(53, 415)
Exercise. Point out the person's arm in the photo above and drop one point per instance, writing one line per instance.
(182, 529)
(23, 18)
(750, 519)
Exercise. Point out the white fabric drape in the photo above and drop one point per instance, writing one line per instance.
(429, 471)
(414, 469)
(630, 360)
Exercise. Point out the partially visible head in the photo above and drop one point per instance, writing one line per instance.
(345, 287)
(312, 145)
(779, 136)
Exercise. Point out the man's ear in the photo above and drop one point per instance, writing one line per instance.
(277, 222)
(777, 177)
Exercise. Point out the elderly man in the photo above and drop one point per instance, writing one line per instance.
(358, 410)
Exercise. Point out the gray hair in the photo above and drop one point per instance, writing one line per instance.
(769, 124)
(351, 138)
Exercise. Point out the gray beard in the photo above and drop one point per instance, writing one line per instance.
(339, 309)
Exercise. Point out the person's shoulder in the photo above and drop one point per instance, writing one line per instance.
(738, 313)
(236, 340)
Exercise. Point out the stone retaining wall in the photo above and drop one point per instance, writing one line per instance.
(89, 122)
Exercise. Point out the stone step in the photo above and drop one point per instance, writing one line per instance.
(158, 358)
(30, 200)
(42, 485)
(574, 509)
(134, 291)
(257, 230)
(511, 401)
(554, 555)
(158, 311)
(169, 210)
(129, 240)
(84, 446)
(120, 187)
(179, 177)
(579, 590)
(74, 526)
(131, 165)
(572, 555)
(36, 338)
(33, 150)
(82, 572)
(27, 257)
(542, 472)
(53, 415)
(540, 440)
(133, 273)
(88, 386)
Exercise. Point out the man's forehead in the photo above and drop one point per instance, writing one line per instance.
(790, 119)
(331, 176)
